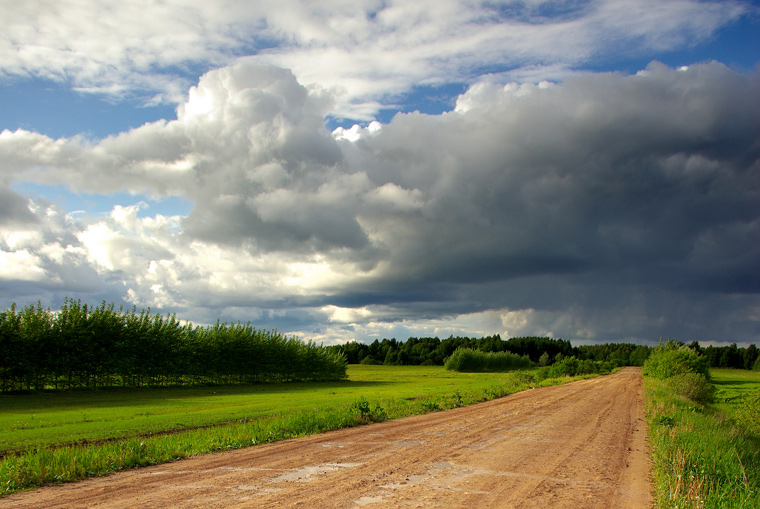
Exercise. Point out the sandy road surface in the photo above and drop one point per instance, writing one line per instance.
(579, 445)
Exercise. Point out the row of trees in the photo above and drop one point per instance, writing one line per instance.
(79, 347)
(729, 356)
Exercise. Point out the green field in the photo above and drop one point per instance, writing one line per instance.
(53, 418)
(738, 396)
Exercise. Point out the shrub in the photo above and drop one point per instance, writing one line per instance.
(693, 386)
(570, 366)
(468, 360)
(368, 413)
(756, 367)
(669, 360)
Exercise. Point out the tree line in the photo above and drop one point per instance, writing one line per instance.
(729, 356)
(89, 347)
(543, 351)
(432, 351)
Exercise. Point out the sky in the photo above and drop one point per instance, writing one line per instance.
(351, 170)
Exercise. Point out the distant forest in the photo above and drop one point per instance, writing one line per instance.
(542, 351)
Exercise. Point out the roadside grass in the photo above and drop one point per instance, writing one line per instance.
(706, 455)
(61, 437)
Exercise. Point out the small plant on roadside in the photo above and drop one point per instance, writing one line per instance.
(368, 413)
(693, 386)
(431, 405)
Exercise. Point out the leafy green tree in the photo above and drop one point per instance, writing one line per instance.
(751, 354)
(639, 355)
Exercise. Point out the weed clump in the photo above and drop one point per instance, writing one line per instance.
(368, 413)
(694, 386)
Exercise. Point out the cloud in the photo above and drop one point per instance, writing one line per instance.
(39, 255)
(14, 209)
(367, 52)
(606, 207)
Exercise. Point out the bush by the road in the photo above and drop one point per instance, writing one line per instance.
(570, 366)
(683, 369)
(693, 386)
(669, 359)
(468, 360)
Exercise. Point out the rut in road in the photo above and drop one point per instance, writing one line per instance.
(579, 445)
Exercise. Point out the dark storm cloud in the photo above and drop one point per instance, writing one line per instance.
(656, 173)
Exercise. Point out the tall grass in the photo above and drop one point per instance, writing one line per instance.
(705, 453)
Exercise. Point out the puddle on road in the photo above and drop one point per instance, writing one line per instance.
(303, 474)
(410, 480)
(368, 500)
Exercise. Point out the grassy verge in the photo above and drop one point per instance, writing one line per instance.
(706, 455)
(254, 415)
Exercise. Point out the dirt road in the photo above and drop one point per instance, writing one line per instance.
(579, 445)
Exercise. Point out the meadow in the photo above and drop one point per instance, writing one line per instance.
(706, 453)
(52, 437)
(50, 418)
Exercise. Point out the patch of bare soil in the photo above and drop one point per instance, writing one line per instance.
(579, 445)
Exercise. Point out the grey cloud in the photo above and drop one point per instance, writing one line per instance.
(605, 184)
(14, 208)
(599, 167)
